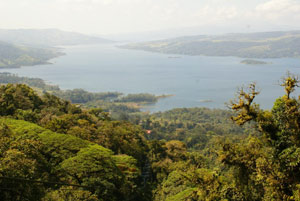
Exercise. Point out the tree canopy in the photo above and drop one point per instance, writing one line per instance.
(51, 149)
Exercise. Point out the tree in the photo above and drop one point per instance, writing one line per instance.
(268, 165)
(95, 168)
(20, 96)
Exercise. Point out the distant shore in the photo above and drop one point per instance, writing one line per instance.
(35, 63)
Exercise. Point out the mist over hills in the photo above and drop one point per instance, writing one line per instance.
(247, 45)
(223, 29)
(27, 47)
(47, 37)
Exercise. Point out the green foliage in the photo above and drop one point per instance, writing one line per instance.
(191, 154)
(139, 98)
(59, 146)
(94, 167)
(194, 126)
(19, 97)
(21, 157)
(269, 163)
(120, 107)
(186, 194)
(122, 138)
(70, 194)
(6, 78)
(247, 110)
(61, 116)
(34, 153)
(82, 96)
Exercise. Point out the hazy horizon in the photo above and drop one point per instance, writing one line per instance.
(170, 17)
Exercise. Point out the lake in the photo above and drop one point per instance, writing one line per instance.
(195, 81)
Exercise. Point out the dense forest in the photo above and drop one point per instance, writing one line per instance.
(193, 126)
(51, 149)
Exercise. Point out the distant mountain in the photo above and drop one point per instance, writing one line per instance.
(14, 56)
(47, 37)
(27, 47)
(246, 45)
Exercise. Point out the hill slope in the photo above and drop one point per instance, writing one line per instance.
(253, 45)
(48, 145)
(14, 56)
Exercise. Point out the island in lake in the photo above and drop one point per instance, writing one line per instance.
(254, 62)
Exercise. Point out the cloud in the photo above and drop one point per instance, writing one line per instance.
(116, 16)
(209, 14)
(279, 6)
(282, 10)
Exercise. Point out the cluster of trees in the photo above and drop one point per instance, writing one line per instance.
(6, 78)
(37, 164)
(267, 165)
(139, 98)
(51, 149)
(120, 106)
(263, 165)
(85, 97)
(193, 126)
(82, 96)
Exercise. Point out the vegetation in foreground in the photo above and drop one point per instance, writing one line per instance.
(51, 149)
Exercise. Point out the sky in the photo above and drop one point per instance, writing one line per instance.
(128, 16)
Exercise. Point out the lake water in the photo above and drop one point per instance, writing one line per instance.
(191, 79)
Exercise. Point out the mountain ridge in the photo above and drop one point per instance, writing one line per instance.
(48, 37)
(277, 44)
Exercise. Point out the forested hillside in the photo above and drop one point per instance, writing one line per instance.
(196, 127)
(51, 149)
(14, 56)
(250, 45)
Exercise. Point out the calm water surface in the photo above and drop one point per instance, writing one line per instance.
(193, 80)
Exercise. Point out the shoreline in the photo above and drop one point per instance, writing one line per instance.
(45, 62)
